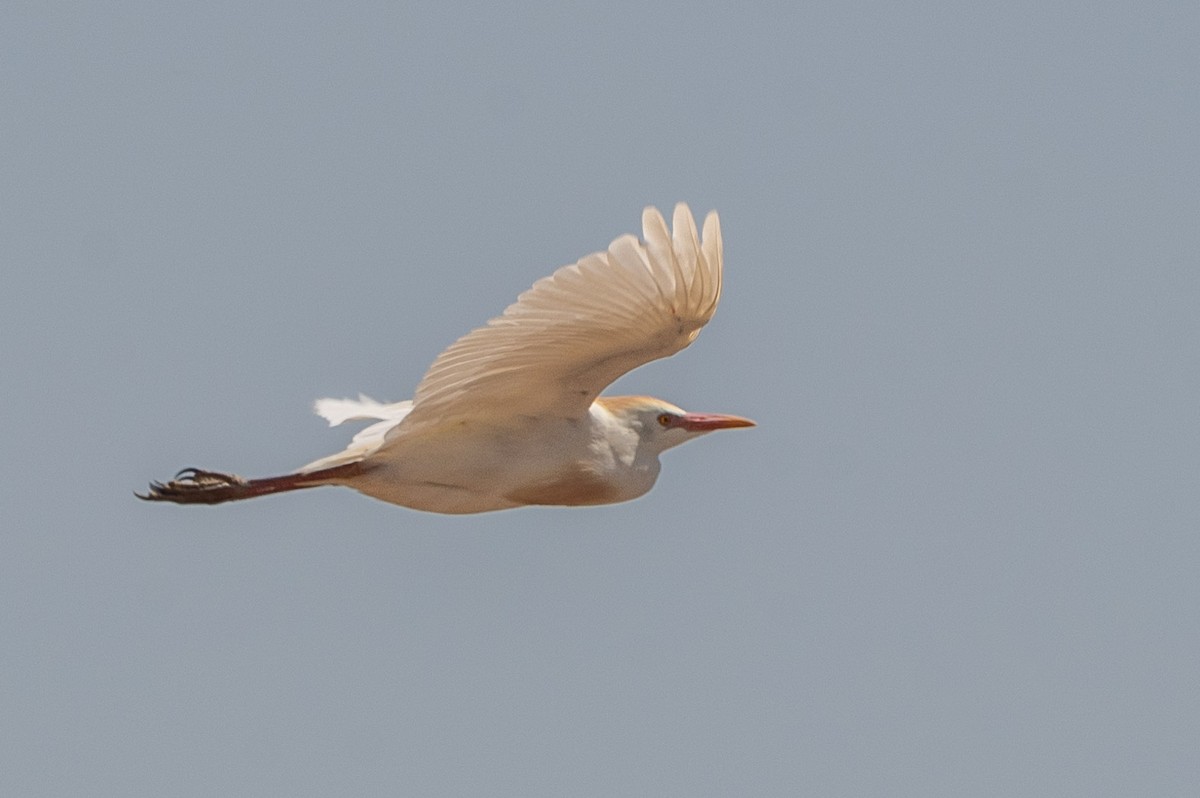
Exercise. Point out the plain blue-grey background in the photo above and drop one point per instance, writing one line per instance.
(958, 556)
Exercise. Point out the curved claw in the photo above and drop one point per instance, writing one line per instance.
(200, 475)
(196, 486)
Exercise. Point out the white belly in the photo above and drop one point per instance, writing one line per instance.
(470, 467)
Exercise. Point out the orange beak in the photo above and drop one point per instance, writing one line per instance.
(706, 422)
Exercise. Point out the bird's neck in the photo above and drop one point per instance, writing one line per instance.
(616, 449)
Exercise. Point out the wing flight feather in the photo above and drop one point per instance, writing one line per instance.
(565, 339)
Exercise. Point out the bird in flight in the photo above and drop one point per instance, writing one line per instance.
(511, 414)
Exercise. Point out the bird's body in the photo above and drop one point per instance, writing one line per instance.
(453, 468)
(510, 414)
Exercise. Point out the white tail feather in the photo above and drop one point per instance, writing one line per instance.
(339, 411)
(364, 408)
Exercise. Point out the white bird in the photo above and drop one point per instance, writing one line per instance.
(510, 415)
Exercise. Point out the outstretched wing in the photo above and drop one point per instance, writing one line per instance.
(574, 332)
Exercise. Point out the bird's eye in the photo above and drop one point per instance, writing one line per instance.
(665, 419)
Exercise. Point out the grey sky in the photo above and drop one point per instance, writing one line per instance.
(959, 556)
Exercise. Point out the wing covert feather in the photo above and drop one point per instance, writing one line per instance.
(570, 335)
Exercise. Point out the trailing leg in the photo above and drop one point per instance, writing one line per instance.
(195, 486)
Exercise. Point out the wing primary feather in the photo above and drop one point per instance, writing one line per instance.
(713, 255)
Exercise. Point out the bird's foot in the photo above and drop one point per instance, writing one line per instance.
(196, 486)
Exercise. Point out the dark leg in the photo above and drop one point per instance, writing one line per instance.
(193, 486)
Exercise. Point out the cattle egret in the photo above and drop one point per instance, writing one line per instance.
(510, 415)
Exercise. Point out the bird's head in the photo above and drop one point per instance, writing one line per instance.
(661, 425)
